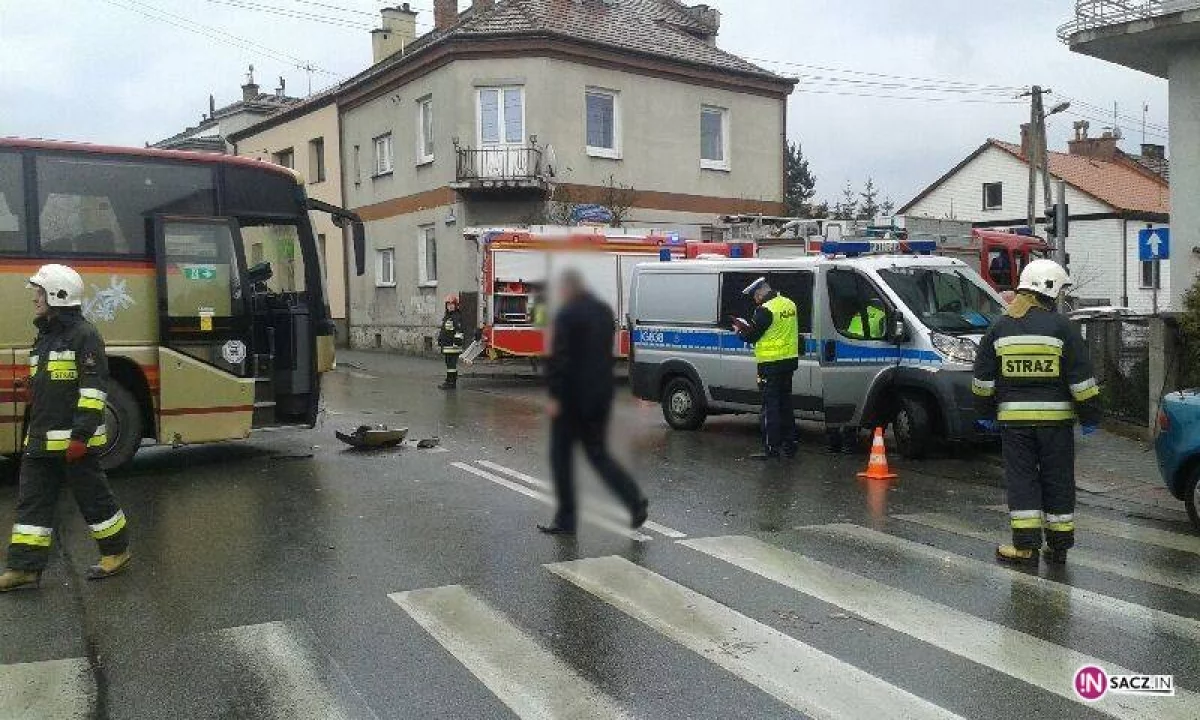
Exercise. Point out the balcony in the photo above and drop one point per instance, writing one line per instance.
(500, 169)
(1135, 33)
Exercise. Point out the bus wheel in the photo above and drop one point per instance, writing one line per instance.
(913, 427)
(123, 424)
(683, 404)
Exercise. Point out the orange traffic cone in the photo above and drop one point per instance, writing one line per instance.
(877, 468)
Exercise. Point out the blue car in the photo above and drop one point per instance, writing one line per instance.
(1178, 448)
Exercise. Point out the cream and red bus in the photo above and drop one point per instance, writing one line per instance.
(201, 272)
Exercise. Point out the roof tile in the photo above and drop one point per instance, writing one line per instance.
(1121, 185)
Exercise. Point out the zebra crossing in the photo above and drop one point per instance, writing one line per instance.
(663, 597)
(807, 679)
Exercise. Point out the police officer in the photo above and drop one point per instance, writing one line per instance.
(1033, 375)
(775, 332)
(451, 340)
(65, 432)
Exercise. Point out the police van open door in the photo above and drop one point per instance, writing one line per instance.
(853, 345)
(206, 374)
(739, 368)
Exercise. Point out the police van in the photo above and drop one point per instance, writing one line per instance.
(888, 335)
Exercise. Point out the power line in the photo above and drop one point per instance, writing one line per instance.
(336, 7)
(865, 73)
(215, 34)
(293, 14)
(922, 98)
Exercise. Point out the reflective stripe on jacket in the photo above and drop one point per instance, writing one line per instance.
(1035, 370)
(68, 375)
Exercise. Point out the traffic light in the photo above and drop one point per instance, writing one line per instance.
(1057, 220)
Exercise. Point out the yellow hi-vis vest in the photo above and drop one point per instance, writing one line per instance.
(781, 341)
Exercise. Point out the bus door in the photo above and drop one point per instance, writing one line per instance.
(205, 363)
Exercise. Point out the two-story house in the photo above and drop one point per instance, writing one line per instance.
(212, 133)
(512, 102)
(1111, 196)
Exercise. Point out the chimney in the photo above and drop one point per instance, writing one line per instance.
(1154, 152)
(1027, 141)
(479, 6)
(445, 14)
(1099, 148)
(396, 32)
(250, 89)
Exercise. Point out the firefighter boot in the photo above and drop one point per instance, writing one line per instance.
(109, 565)
(450, 383)
(1016, 556)
(19, 580)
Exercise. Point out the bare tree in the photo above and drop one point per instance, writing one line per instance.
(619, 200)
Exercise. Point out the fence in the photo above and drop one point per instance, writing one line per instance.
(1092, 14)
(1120, 352)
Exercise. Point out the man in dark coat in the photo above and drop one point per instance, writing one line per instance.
(580, 374)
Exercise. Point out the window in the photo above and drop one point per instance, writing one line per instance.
(658, 299)
(383, 155)
(321, 257)
(12, 204)
(501, 116)
(945, 299)
(316, 159)
(795, 286)
(602, 129)
(1152, 274)
(1000, 269)
(427, 256)
(100, 207)
(425, 131)
(279, 245)
(993, 196)
(202, 274)
(385, 268)
(714, 138)
(286, 158)
(256, 254)
(857, 308)
(357, 166)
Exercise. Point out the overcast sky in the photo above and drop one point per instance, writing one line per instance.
(98, 70)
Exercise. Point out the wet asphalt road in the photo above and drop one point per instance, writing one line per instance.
(290, 577)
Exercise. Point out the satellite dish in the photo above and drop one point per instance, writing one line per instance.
(550, 161)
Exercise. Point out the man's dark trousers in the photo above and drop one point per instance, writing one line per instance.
(590, 430)
(778, 413)
(1039, 470)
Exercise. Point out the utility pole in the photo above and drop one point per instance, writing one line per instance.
(1060, 225)
(1034, 148)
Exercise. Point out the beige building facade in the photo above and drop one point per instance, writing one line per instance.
(306, 139)
(466, 131)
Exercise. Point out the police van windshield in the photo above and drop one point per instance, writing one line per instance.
(945, 299)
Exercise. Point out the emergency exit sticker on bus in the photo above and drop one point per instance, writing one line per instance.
(200, 272)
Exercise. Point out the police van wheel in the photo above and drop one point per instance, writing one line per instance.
(1191, 497)
(123, 425)
(683, 404)
(913, 428)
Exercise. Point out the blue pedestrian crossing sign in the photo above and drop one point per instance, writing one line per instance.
(1154, 244)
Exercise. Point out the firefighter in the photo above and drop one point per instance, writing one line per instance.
(68, 372)
(775, 333)
(452, 341)
(1033, 376)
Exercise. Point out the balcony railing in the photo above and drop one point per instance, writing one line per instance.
(501, 167)
(1092, 14)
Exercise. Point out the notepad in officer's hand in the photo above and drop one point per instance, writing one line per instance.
(740, 324)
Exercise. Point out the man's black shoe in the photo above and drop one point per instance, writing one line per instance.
(556, 529)
(790, 450)
(768, 455)
(640, 514)
(1054, 556)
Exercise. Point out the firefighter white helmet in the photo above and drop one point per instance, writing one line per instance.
(63, 286)
(1045, 277)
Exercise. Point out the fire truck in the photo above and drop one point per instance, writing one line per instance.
(999, 255)
(517, 265)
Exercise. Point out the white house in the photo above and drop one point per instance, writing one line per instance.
(1111, 196)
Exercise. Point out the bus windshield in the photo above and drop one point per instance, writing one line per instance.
(947, 299)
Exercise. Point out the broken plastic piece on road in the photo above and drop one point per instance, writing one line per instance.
(377, 436)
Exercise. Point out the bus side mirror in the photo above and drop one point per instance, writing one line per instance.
(359, 235)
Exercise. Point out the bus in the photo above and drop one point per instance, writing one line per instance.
(201, 271)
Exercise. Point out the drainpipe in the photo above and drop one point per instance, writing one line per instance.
(1125, 263)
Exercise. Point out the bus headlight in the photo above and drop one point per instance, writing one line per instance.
(954, 348)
